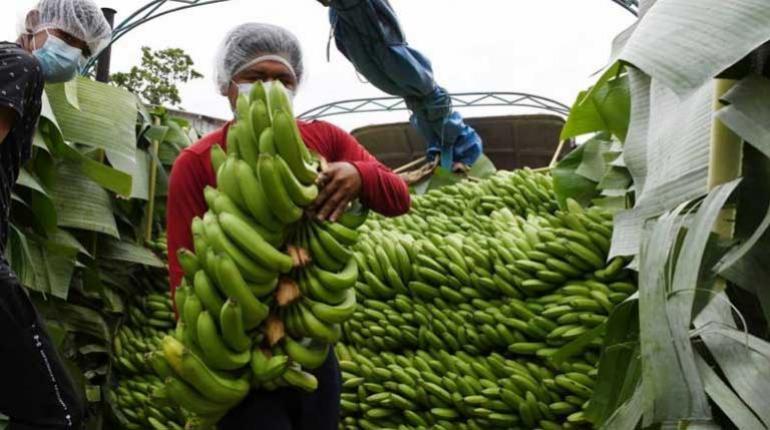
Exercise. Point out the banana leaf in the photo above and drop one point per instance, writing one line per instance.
(740, 414)
(40, 202)
(683, 44)
(567, 183)
(52, 272)
(668, 395)
(128, 252)
(106, 118)
(742, 358)
(605, 107)
(81, 203)
(619, 365)
(106, 176)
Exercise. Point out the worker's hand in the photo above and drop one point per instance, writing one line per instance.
(340, 183)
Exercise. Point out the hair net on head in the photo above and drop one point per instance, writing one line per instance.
(82, 19)
(248, 42)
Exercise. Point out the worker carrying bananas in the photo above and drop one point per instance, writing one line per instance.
(261, 52)
(55, 39)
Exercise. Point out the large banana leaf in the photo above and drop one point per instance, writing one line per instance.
(40, 201)
(81, 203)
(106, 176)
(685, 43)
(106, 118)
(668, 162)
(666, 395)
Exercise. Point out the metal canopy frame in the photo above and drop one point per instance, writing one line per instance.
(150, 11)
(631, 6)
(459, 100)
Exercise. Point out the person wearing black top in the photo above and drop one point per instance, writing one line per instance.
(57, 36)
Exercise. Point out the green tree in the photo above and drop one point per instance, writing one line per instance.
(156, 80)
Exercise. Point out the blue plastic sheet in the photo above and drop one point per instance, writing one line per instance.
(368, 34)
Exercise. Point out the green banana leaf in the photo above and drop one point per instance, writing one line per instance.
(567, 183)
(40, 202)
(81, 203)
(684, 44)
(605, 107)
(128, 252)
(106, 176)
(619, 365)
(106, 118)
(52, 272)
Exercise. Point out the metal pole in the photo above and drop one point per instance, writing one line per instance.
(103, 66)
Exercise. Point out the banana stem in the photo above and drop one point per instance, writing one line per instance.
(725, 163)
(150, 210)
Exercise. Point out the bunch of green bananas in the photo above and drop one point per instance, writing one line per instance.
(470, 295)
(150, 317)
(265, 287)
(437, 389)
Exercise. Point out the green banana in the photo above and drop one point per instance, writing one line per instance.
(320, 254)
(301, 195)
(344, 235)
(267, 142)
(260, 116)
(215, 352)
(192, 309)
(312, 288)
(335, 314)
(212, 385)
(291, 148)
(233, 331)
(266, 368)
(208, 295)
(223, 204)
(188, 261)
(309, 355)
(255, 199)
(186, 396)
(280, 203)
(227, 182)
(300, 379)
(339, 281)
(252, 243)
(218, 157)
(233, 285)
(251, 271)
(316, 328)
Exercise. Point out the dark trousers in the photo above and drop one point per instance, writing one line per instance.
(36, 392)
(290, 408)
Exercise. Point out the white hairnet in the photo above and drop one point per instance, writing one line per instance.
(82, 19)
(248, 42)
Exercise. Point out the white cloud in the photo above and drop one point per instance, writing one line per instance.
(545, 47)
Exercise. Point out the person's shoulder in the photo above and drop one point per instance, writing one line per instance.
(320, 127)
(12, 56)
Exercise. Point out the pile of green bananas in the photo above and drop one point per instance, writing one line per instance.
(149, 318)
(266, 287)
(464, 301)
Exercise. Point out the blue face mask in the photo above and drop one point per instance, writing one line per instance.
(59, 61)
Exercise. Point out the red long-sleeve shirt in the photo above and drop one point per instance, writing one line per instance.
(382, 190)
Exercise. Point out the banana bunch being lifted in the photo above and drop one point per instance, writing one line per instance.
(266, 287)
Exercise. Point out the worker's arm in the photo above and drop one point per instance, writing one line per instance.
(354, 173)
(7, 118)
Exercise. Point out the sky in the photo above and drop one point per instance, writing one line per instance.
(549, 48)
